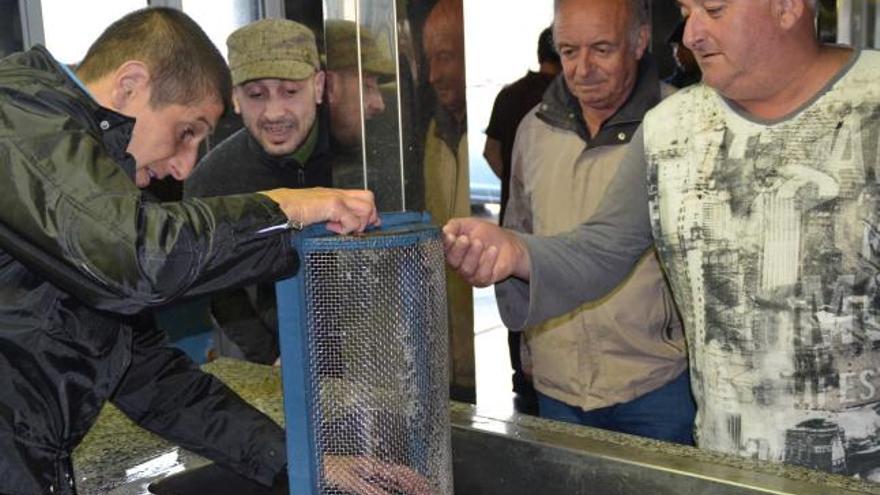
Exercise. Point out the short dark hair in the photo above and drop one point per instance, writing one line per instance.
(546, 50)
(185, 65)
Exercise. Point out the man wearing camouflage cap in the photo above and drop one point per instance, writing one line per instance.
(278, 89)
(344, 95)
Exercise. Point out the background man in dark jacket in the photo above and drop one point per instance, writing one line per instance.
(278, 90)
(83, 250)
(512, 104)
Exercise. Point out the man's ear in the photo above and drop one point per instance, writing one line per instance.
(331, 86)
(130, 82)
(319, 87)
(642, 41)
(236, 106)
(788, 13)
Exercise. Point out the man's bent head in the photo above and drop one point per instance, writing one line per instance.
(158, 66)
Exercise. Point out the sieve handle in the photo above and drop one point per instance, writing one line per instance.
(396, 218)
(389, 219)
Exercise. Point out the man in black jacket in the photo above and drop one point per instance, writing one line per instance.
(278, 90)
(83, 251)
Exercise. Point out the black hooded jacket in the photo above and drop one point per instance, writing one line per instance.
(82, 253)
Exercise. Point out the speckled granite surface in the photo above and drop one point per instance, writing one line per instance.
(119, 458)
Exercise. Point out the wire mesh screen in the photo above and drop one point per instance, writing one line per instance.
(376, 352)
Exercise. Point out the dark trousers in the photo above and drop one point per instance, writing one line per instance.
(525, 400)
(663, 414)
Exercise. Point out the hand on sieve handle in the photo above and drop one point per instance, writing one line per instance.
(344, 210)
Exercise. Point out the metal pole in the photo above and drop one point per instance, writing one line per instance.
(31, 23)
(357, 23)
(273, 9)
(396, 56)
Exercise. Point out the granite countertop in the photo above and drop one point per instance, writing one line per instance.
(119, 458)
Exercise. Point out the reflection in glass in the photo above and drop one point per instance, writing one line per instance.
(407, 143)
(361, 93)
(446, 163)
(446, 177)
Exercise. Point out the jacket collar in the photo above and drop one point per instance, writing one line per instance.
(559, 108)
(113, 128)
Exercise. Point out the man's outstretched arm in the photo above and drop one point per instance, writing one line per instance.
(541, 277)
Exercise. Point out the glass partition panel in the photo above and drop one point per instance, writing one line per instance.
(380, 101)
(360, 39)
(396, 97)
(10, 28)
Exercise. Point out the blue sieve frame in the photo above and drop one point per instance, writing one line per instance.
(398, 229)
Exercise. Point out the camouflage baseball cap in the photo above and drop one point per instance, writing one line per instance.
(272, 48)
(342, 50)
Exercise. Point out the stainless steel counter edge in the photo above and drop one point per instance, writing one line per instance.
(592, 444)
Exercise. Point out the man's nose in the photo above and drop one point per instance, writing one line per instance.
(274, 109)
(433, 72)
(693, 32)
(585, 63)
(374, 103)
(181, 165)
